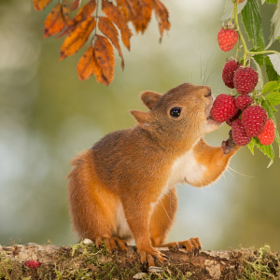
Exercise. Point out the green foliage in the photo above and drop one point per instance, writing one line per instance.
(268, 95)
(253, 24)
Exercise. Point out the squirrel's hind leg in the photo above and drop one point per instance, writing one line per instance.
(162, 217)
(92, 206)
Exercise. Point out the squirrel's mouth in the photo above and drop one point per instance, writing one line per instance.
(209, 116)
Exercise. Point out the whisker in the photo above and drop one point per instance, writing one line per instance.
(244, 175)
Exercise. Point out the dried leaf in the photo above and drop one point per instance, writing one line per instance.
(85, 12)
(142, 13)
(104, 53)
(40, 5)
(56, 20)
(87, 65)
(71, 4)
(125, 9)
(110, 31)
(162, 15)
(75, 5)
(77, 38)
(116, 17)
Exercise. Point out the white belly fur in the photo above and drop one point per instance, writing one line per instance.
(185, 169)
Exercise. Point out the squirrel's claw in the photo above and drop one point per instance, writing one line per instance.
(149, 257)
(229, 145)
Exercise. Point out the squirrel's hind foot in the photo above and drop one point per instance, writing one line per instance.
(112, 243)
(192, 245)
(151, 256)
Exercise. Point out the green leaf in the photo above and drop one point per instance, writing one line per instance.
(272, 1)
(275, 61)
(259, 59)
(270, 71)
(273, 97)
(275, 25)
(252, 22)
(251, 146)
(267, 150)
(229, 8)
(271, 86)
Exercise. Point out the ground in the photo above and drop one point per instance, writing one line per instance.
(85, 261)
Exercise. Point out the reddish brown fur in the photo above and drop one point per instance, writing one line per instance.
(129, 170)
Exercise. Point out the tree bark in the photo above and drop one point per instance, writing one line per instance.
(84, 261)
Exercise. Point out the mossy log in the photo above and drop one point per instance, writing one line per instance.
(85, 261)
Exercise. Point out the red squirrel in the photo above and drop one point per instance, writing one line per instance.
(124, 186)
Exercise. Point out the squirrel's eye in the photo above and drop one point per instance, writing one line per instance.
(175, 112)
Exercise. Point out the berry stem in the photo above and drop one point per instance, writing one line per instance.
(246, 51)
(262, 52)
(240, 34)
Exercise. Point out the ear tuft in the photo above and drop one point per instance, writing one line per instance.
(144, 119)
(150, 98)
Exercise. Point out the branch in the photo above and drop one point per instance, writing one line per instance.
(86, 262)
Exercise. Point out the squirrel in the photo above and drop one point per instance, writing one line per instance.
(124, 187)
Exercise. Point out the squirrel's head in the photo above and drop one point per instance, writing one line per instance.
(181, 113)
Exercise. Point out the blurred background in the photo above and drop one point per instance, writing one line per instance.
(47, 116)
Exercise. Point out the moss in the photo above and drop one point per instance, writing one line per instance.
(262, 264)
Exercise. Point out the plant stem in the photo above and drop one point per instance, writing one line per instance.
(240, 34)
(262, 52)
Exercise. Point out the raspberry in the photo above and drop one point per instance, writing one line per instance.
(228, 72)
(253, 119)
(227, 38)
(32, 264)
(238, 133)
(243, 101)
(268, 134)
(223, 108)
(236, 116)
(245, 79)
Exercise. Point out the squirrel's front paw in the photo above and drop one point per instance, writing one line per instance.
(229, 145)
(149, 256)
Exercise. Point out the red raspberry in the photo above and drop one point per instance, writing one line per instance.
(227, 38)
(238, 133)
(243, 101)
(223, 108)
(268, 134)
(228, 72)
(245, 80)
(235, 117)
(253, 119)
(32, 264)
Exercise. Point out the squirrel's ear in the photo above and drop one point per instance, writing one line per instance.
(144, 119)
(150, 98)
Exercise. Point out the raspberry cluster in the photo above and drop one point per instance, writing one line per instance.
(247, 120)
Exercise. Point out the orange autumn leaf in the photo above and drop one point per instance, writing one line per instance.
(116, 17)
(125, 8)
(77, 38)
(88, 66)
(162, 17)
(85, 12)
(110, 31)
(40, 5)
(104, 53)
(142, 13)
(71, 4)
(56, 20)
